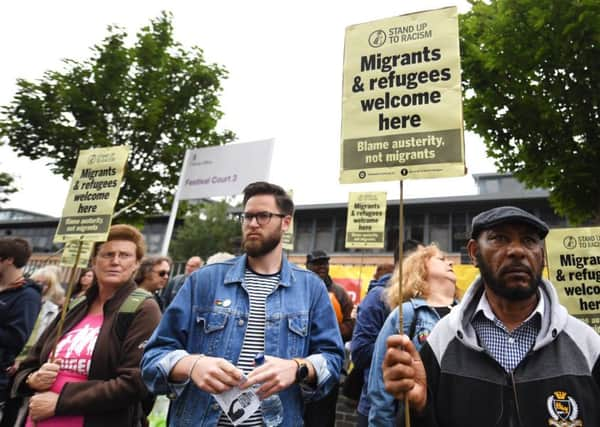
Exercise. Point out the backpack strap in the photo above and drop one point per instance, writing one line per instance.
(134, 300)
(74, 302)
(410, 313)
(128, 309)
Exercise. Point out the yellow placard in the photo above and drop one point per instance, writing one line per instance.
(94, 190)
(70, 254)
(365, 225)
(402, 106)
(287, 239)
(574, 269)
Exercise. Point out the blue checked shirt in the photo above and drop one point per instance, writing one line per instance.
(508, 348)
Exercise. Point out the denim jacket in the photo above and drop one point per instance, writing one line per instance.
(383, 407)
(209, 316)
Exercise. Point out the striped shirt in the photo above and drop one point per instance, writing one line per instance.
(508, 348)
(258, 287)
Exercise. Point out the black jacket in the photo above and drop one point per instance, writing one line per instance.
(19, 308)
(558, 380)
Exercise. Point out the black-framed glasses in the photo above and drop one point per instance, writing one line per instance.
(162, 273)
(262, 218)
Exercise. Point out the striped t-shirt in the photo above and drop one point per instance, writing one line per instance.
(259, 287)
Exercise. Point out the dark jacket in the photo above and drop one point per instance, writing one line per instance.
(19, 308)
(558, 380)
(347, 325)
(372, 313)
(113, 393)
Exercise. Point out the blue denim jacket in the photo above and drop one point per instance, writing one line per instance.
(209, 316)
(383, 407)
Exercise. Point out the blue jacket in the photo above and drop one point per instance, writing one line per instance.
(209, 316)
(383, 406)
(19, 308)
(372, 312)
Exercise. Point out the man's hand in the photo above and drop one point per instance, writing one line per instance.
(213, 374)
(274, 375)
(43, 378)
(42, 405)
(404, 373)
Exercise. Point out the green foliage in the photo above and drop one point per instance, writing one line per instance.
(6, 187)
(208, 228)
(531, 75)
(155, 96)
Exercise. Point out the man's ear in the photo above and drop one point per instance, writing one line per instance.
(472, 248)
(285, 223)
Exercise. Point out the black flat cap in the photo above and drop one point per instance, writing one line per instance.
(317, 255)
(503, 215)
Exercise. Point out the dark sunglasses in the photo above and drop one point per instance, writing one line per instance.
(162, 273)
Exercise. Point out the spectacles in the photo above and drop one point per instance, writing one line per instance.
(262, 218)
(162, 273)
(122, 256)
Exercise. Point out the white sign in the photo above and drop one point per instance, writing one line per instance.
(225, 170)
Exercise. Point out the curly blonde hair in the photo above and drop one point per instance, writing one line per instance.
(414, 276)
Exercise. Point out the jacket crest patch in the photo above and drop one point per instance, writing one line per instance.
(563, 410)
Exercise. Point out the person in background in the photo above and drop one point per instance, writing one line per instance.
(219, 257)
(86, 278)
(227, 312)
(510, 354)
(169, 292)
(322, 412)
(20, 302)
(153, 274)
(428, 292)
(372, 312)
(92, 378)
(52, 294)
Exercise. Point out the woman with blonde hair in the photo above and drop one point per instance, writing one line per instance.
(47, 278)
(428, 294)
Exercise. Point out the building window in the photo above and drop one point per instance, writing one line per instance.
(303, 234)
(439, 231)
(324, 234)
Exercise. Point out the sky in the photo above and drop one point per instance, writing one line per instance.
(285, 81)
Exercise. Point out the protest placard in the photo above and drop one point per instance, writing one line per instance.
(365, 225)
(402, 101)
(88, 210)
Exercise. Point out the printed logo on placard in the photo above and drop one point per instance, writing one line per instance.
(377, 38)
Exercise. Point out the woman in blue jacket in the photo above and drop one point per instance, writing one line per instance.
(428, 292)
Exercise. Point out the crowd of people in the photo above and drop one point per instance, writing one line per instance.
(505, 354)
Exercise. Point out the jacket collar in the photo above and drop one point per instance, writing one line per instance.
(553, 321)
(114, 302)
(236, 272)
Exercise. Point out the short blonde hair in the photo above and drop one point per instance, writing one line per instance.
(414, 277)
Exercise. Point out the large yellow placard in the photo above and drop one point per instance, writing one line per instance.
(574, 269)
(402, 106)
(94, 190)
(365, 226)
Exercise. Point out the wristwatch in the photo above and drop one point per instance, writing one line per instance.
(301, 370)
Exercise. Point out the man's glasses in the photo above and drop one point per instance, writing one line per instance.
(262, 218)
(162, 273)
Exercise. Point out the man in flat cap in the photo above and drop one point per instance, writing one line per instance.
(509, 354)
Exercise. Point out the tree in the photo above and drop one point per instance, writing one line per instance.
(6, 187)
(207, 229)
(155, 96)
(531, 78)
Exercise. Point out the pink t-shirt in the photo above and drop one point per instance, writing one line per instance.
(75, 352)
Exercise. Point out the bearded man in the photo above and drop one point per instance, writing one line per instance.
(227, 312)
(510, 354)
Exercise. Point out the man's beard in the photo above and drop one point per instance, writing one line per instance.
(499, 286)
(256, 248)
